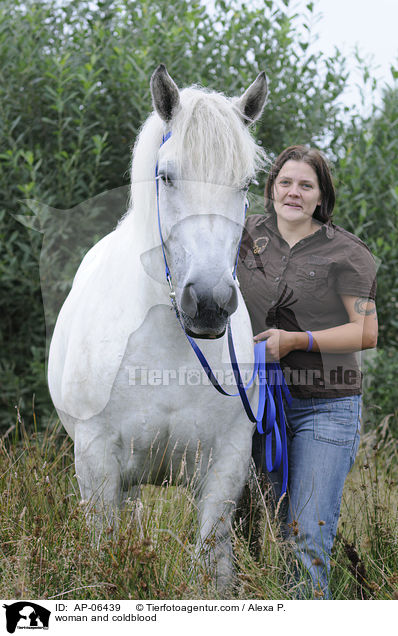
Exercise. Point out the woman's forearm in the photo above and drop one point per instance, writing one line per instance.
(342, 339)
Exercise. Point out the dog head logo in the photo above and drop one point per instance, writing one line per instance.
(26, 615)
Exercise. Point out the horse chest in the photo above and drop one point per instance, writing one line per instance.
(161, 391)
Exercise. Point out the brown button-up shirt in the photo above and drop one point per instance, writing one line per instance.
(299, 289)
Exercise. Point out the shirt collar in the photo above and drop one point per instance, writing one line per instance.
(329, 229)
(270, 220)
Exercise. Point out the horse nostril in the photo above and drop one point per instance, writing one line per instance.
(226, 299)
(189, 300)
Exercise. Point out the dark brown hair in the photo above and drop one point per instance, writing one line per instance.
(318, 163)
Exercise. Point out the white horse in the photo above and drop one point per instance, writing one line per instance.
(122, 374)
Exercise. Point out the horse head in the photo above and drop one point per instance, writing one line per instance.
(203, 170)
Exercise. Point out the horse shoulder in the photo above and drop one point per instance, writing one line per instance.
(92, 258)
(92, 331)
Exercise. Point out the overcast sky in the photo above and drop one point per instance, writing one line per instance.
(370, 24)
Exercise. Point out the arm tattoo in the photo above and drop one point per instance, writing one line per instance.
(361, 306)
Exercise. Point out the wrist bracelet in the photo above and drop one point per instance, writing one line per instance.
(310, 341)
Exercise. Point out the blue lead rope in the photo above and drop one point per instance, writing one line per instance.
(277, 385)
(270, 375)
(271, 385)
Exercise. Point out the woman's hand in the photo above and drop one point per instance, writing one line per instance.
(279, 342)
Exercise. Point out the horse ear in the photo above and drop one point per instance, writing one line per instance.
(252, 102)
(165, 95)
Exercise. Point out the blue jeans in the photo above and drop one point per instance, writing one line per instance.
(323, 439)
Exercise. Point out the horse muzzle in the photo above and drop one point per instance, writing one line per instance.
(204, 312)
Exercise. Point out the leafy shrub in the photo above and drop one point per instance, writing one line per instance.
(380, 399)
(74, 92)
(367, 203)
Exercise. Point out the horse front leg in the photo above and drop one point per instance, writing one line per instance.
(214, 547)
(97, 463)
(217, 504)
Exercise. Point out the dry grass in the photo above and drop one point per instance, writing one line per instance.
(47, 549)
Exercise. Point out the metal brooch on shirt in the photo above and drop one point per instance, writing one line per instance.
(260, 244)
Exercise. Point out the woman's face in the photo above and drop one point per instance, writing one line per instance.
(296, 192)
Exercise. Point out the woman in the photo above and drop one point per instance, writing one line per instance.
(310, 291)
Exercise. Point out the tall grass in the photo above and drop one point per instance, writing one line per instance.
(47, 549)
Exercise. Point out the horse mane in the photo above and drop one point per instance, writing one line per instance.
(209, 140)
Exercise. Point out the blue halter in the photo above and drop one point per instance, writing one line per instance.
(270, 375)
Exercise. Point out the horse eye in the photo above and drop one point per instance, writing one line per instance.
(166, 179)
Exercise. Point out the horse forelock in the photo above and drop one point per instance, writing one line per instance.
(210, 142)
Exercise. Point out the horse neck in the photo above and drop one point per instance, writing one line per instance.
(140, 224)
(139, 237)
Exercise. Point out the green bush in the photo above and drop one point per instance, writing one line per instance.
(74, 91)
(367, 202)
(380, 402)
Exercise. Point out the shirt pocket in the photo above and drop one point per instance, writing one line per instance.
(311, 278)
